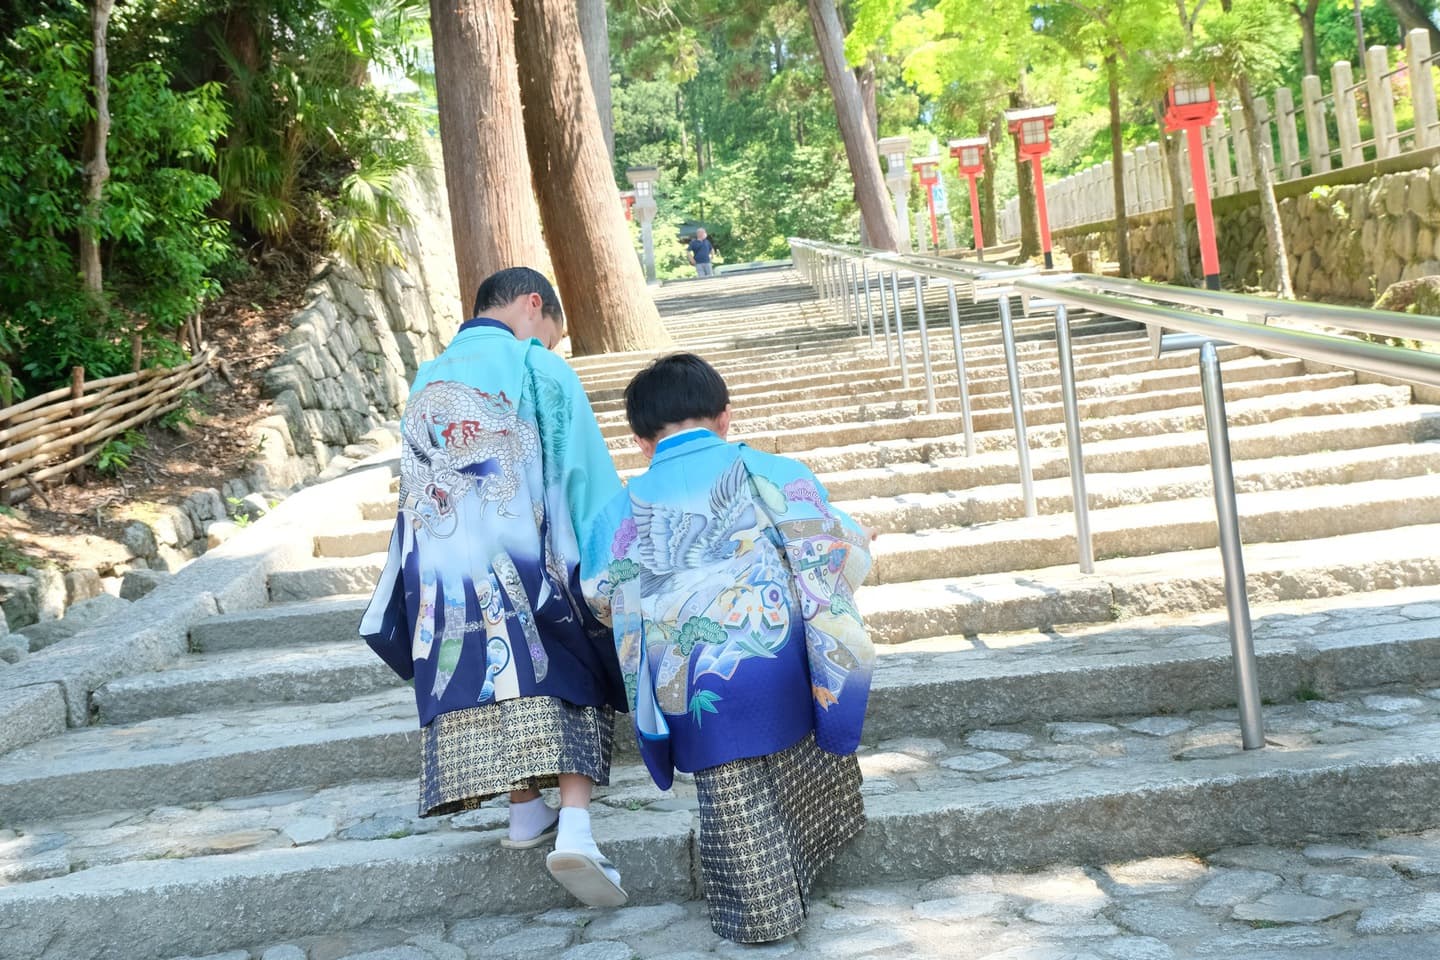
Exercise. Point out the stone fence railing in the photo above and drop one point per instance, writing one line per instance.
(1330, 121)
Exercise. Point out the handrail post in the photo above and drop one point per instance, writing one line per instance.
(1012, 371)
(965, 419)
(869, 307)
(885, 319)
(899, 330)
(1073, 440)
(1237, 602)
(853, 288)
(924, 346)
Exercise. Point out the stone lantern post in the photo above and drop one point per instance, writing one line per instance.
(897, 175)
(643, 179)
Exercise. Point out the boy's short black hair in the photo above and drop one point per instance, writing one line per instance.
(674, 389)
(503, 286)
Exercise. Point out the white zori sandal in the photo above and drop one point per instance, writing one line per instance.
(584, 875)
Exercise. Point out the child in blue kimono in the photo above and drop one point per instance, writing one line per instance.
(479, 604)
(728, 579)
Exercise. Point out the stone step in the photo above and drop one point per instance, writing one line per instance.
(912, 512)
(914, 467)
(1013, 799)
(327, 577)
(1143, 529)
(307, 673)
(815, 444)
(282, 625)
(833, 372)
(1147, 586)
(1045, 676)
(990, 389)
(938, 686)
(372, 535)
(1042, 408)
(1351, 896)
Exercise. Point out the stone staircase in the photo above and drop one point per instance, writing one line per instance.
(259, 790)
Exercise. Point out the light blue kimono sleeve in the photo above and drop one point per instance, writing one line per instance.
(828, 556)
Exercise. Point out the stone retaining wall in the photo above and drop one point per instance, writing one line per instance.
(352, 351)
(1348, 241)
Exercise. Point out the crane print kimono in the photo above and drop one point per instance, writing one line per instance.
(728, 579)
(479, 601)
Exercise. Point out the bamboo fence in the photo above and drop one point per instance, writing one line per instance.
(52, 434)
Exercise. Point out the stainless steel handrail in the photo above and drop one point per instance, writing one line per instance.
(1204, 318)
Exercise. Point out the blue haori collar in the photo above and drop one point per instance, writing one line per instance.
(685, 442)
(478, 323)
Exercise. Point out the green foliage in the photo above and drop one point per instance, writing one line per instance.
(115, 456)
(160, 240)
(1255, 38)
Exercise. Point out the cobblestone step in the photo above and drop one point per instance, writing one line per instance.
(938, 683)
(1355, 897)
(1010, 798)
(938, 686)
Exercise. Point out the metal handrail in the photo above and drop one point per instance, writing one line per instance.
(1204, 317)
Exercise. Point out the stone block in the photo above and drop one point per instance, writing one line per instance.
(49, 593)
(28, 714)
(330, 395)
(20, 599)
(1418, 194)
(13, 646)
(288, 405)
(172, 527)
(289, 376)
(97, 609)
(82, 585)
(138, 583)
(307, 358)
(218, 531)
(50, 632)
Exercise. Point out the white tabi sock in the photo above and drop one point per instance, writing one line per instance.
(530, 819)
(575, 837)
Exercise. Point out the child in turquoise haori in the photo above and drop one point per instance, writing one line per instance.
(502, 464)
(728, 580)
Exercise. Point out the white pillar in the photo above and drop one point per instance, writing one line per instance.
(1422, 87)
(1316, 132)
(1347, 119)
(1290, 168)
(1382, 102)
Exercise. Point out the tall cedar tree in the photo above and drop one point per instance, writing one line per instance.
(599, 276)
(493, 217)
(880, 228)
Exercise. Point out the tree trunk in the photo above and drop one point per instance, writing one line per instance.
(1117, 162)
(600, 280)
(1170, 153)
(870, 189)
(988, 222)
(595, 33)
(1265, 183)
(865, 77)
(1412, 15)
(493, 217)
(1025, 184)
(1308, 47)
(97, 137)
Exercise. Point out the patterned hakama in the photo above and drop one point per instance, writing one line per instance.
(469, 756)
(767, 827)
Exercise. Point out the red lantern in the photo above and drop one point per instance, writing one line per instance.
(969, 154)
(1190, 106)
(1032, 141)
(627, 197)
(928, 170)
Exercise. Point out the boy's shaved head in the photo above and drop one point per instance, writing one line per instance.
(674, 389)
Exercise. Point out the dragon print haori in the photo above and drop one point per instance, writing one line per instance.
(501, 463)
(728, 580)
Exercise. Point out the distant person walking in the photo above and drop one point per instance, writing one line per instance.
(701, 249)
